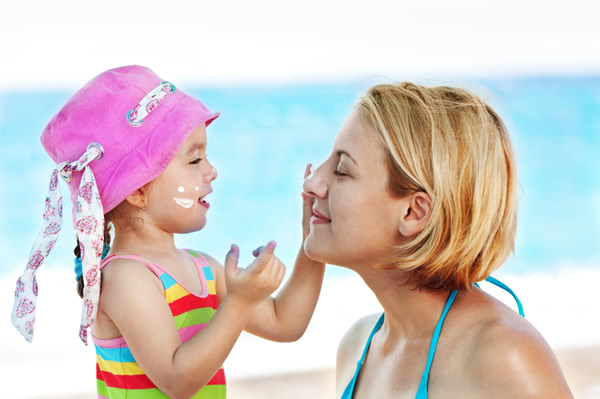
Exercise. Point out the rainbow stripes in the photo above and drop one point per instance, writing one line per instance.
(118, 376)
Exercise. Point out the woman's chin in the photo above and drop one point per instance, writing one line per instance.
(313, 250)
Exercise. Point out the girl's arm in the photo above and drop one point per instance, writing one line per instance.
(285, 317)
(133, 299)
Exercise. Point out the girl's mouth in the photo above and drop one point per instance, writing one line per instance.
(204, 203)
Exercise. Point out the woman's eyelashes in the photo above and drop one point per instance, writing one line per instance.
(340, 172)
(196, 161)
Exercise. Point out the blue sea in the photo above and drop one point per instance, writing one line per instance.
(266, 135)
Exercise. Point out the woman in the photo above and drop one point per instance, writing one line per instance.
(419, 197)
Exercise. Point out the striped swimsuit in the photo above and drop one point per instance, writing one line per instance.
(118, 375)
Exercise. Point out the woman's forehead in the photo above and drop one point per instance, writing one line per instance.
(358, 139)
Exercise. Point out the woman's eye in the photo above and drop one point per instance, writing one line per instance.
(338, 173)
(196, 161)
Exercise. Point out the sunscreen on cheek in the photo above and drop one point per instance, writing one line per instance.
(184, 202)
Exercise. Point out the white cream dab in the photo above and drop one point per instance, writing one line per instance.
(197, 188)
(180, 189)
(184, 202)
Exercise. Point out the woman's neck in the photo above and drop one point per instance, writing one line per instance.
(409, 312)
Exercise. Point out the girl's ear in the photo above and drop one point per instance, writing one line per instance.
(137, 199)
(415, 213)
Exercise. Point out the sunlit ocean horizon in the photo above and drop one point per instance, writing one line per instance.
(266, 135)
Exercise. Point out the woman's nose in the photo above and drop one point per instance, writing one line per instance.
(314, 185)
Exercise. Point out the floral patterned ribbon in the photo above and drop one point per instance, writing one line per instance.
(136, 116)
(89, 224)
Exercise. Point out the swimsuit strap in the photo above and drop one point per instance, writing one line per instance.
(121, 255)
(422, 392)
(349, 391)
(500, 284)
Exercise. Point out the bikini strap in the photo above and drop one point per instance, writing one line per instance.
(422, 392)
(349, 391)
(500, 284)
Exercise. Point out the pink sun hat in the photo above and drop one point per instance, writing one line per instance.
(139, 134)
(117, 133)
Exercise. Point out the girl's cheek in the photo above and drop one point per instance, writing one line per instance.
(186, 198)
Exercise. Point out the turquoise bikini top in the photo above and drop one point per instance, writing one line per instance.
(422, 391)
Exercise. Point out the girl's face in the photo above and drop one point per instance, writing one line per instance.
(355, 218)
(176, 198)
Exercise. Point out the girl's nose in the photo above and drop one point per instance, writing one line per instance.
(314, 185)
(211, 175)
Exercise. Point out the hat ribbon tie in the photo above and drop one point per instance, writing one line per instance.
(89, 224)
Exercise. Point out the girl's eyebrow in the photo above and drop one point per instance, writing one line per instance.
(195, 147)
(342, 152)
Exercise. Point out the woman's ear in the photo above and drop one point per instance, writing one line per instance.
(137, 199)
(415, 213)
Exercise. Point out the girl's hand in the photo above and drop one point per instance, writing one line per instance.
(251, 285)
(307, 205)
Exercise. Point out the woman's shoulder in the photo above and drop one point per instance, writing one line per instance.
(503, 352)
(360, 330)
(353, 343)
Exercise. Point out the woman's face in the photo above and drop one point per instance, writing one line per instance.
(355, 218)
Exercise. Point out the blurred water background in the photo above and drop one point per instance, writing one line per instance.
(266, 135)
(285, 75)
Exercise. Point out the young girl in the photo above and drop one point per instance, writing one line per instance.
(133, 150)
(419, 197)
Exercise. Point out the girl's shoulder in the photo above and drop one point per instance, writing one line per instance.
(130, 271)
(207, 262)
(204, 259)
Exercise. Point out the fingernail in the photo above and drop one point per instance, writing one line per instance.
(272, 244)
(255, 252)
(234, 249)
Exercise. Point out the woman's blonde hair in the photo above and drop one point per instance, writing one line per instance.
(448, 143)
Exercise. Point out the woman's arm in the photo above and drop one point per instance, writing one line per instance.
(134, 301)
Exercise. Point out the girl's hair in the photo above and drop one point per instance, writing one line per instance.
(448, 143)
(107, 240)
(121, 217)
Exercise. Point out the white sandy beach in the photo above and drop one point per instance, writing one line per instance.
(580, 366)
(562, 307)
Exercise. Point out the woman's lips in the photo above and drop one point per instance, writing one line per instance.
(319, 218)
